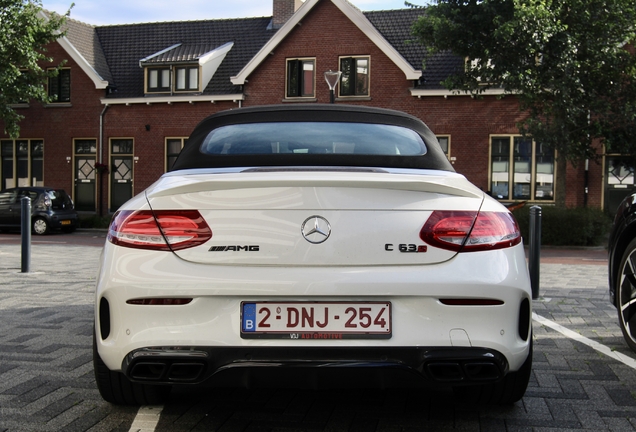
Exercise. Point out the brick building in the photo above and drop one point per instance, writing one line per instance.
(129, 95)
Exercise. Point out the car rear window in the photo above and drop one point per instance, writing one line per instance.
(313, 138)
(59, 199)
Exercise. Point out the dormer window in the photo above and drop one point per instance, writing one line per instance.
(180, 69)
(186, 78)
(180, 79)
(158, 80)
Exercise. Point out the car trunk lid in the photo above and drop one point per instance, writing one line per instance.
(315, 218)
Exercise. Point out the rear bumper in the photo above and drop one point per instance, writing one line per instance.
(423, 365)
(61, 220)
(213, 318)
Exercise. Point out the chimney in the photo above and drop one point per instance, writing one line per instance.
(283, 10)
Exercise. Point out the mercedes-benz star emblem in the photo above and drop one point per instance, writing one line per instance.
(316, 229)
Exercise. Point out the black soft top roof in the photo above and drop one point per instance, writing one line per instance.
(191, 157)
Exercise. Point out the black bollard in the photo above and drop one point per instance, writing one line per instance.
(535, 249)
(25, 208)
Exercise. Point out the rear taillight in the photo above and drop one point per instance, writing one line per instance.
(466, 231)
(163, 230)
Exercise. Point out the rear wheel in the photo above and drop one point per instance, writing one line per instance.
(115, 388)
(626, 295)
(507, 391)
(40, 226)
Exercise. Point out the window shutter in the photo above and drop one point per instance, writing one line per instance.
(65, 86)
(293, 78)
(347, 79)
(54, 89)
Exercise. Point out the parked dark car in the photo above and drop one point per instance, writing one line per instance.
(622, 267)
(50, 209)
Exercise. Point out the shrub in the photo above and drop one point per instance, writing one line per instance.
(94, 221)
(567, 226)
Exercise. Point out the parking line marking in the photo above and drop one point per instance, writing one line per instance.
(146, 419)
(589, 342)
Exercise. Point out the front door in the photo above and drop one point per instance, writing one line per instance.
(85, 175)
(121, 176)
(619, 181)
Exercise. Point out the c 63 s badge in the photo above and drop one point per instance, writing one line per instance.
(405, 248)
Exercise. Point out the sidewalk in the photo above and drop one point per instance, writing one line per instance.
(572, 255)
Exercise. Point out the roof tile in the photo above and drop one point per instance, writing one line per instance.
(84, 38)
(125, 45)
(396, 27)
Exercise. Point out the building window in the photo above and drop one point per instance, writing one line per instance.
(301, 78)
(354, 80)
(173, 148)
(187, 78)
(86, 146)
(521, 169)
(444, 143)
(158, 80)
(60, 86)
(121, 146)
(21, 163)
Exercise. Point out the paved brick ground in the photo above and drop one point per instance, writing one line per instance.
(46, 376)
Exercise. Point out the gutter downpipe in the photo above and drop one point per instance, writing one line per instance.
(586, 178)
(101, 149)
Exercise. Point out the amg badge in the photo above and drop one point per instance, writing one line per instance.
(234, 249)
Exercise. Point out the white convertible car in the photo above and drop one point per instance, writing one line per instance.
(312, 245)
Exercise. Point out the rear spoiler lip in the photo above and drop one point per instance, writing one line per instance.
(200, 180)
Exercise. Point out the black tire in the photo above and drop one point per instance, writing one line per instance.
(40, 226)
(507, 391)
(626, 295)
(115, 388)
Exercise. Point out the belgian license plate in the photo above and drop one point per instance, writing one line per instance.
(316, 320)
(65, 222)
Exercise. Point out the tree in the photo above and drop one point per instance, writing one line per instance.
(24, 34)
(567, 61)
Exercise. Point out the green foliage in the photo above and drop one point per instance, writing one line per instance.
(94, 221)
(566, 60)
(24, 33)
(567, 226)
